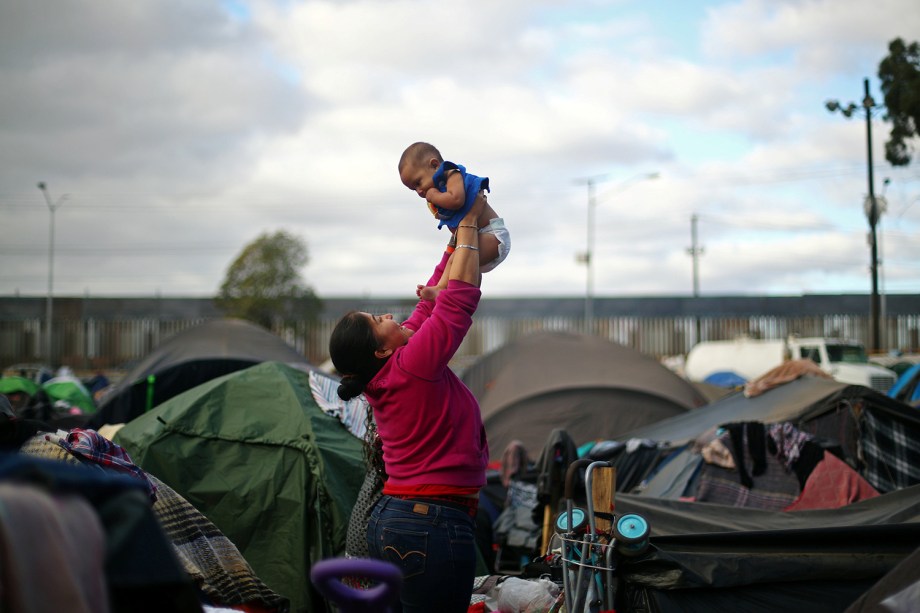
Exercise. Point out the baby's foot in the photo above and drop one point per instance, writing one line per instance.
(429, 292)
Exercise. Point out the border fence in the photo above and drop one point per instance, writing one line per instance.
(109, 333)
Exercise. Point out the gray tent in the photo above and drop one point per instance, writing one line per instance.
(190, 358)
(588, 386)
(798, 401)
(709, 557)
(718, 557)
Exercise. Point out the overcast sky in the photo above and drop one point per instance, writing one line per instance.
(171, 133)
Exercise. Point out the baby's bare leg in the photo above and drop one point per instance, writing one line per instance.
(488, 248)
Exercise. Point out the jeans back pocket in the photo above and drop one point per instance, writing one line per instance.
(407, 549)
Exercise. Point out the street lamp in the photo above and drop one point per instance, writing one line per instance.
(587, 256)
(873, 212)
(52, 207)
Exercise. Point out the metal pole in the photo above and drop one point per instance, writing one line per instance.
(52, 207)
(591, 182)
(589, 259)
(875, 340)
(695, 252)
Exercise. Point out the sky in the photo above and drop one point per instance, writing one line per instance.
(171, 133)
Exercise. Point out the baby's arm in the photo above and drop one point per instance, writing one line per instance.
(453, 197)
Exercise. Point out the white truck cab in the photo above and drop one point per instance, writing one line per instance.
(846, 361)
(749, 358)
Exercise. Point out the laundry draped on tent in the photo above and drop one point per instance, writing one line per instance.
(257, 456)
(800, 498)
(187, 359)
(591, 387)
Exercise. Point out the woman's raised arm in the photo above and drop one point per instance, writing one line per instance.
(465, 264)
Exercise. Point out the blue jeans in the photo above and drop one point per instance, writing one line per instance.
(433, 545)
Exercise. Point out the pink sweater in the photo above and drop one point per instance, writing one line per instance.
(427, 418)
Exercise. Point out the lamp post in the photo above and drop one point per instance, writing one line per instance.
(587, 257)
(52, 207)
(871, 208)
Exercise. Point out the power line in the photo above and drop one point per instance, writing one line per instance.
(91, 250)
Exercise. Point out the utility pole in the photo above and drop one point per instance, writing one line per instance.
(872, 211)
(52, 207)
(695, 252)
(591, 182)
(588, 256)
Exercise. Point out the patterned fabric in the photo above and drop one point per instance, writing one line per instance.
(773, 486)
(211, 560)
(207, 556)
(891, 451)
(352, 413)
(356, 535)
(91, 446)
(832, 484)
(789, 441)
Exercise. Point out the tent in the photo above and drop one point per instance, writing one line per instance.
(800, 400)
(725, 378)
(70, 391)
(589, 386)
(19, 390)
(714, 557)
(708, 557)
(907, 387)
(187, 359)
(257, 456)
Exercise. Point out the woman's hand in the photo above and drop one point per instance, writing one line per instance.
(472, 216)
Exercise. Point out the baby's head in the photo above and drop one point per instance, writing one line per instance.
(417, 165)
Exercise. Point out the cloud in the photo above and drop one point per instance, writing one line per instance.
(181, 130)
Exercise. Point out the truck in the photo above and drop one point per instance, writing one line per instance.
(749, 358)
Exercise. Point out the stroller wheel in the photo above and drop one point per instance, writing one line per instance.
(579, 521)
(631, 532)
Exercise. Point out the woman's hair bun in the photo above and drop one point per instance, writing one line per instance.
(349, 387)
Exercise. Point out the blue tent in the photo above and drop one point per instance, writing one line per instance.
(725, 378)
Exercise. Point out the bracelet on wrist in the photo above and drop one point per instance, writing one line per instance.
(468, 226)
(473, 247)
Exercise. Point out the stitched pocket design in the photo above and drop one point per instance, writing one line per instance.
(407, 549)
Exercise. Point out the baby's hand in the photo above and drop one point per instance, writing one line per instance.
(418, 290)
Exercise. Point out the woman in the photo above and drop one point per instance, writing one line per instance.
(434, 444)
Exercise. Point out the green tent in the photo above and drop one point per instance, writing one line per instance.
(72, 391)
(15, 384)
(255, 454)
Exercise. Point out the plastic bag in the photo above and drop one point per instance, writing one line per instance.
(526, 595)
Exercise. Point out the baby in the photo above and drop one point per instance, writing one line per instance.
(450, 192)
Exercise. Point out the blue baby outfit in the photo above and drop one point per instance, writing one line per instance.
(471, 183)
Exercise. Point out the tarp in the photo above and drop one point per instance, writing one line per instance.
(589, 386)
(711, 557)
(255, 454)
(907, 387)
(187, 359)
(795, 401)
(707, 557)
(725, 378)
